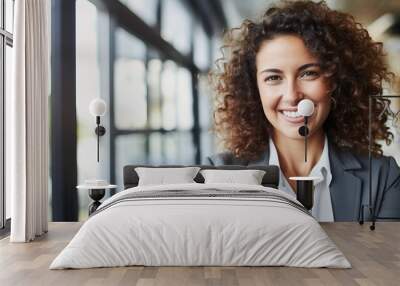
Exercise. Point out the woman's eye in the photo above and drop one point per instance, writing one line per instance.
(272, 78)
(310, 74)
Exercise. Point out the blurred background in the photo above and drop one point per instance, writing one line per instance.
(149, 60)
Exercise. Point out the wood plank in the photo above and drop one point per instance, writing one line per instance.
(375, 257)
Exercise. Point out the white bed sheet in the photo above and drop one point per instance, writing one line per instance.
(200, 231)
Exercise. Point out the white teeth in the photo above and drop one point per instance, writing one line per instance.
(291, 113)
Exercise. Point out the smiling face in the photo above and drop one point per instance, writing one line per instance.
(287, 73)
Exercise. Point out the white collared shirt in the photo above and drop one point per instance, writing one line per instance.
(322, 209)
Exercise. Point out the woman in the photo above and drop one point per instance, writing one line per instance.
(304, 50)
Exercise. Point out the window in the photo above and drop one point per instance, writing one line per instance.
(177, 32)
(168, 93)
(184, 102)
(6, 44)
(88, 87)
(148, 73)
(207, 143)
(129, 149)
(147, 10)
(130, 82)
(153, 78)
(201, 47)
(9, 15)
(394, 126)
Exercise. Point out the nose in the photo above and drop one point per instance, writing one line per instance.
(292, 93)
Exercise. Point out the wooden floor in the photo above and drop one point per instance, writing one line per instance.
(375, 257)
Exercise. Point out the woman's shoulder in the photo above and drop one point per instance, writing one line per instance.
(228, 158)
(225, 158)
(382, 162)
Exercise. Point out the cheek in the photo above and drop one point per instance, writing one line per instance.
(323, 101)
(318, 93)
(325, 107)
(269, 98)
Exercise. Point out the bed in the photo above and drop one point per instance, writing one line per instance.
(201, 224)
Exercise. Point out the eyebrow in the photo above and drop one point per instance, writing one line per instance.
(303, 67)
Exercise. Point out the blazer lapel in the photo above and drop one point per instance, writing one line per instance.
(345, 187)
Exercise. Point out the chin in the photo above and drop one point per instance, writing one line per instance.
(292, 133)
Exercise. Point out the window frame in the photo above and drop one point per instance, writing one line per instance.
(64, 200)
(6, 39)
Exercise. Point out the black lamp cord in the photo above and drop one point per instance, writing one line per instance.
(98, 135)
(305, 137)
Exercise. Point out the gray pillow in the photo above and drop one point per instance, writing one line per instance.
(162, 176)
(248, 177)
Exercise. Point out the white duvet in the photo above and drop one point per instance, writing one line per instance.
(200, 231)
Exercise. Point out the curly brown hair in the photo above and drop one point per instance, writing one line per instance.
(353, 63)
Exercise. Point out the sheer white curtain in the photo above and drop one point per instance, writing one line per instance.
(28, 122)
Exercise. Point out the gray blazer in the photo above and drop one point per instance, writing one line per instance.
(349, 186)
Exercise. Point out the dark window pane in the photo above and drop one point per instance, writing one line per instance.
(129, 150)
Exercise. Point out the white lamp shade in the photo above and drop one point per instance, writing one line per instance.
(305, 107)
(97, 107)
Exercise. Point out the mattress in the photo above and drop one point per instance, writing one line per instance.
(201, 225)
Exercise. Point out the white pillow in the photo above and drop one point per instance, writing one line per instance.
(248, 177)
(162, 176)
